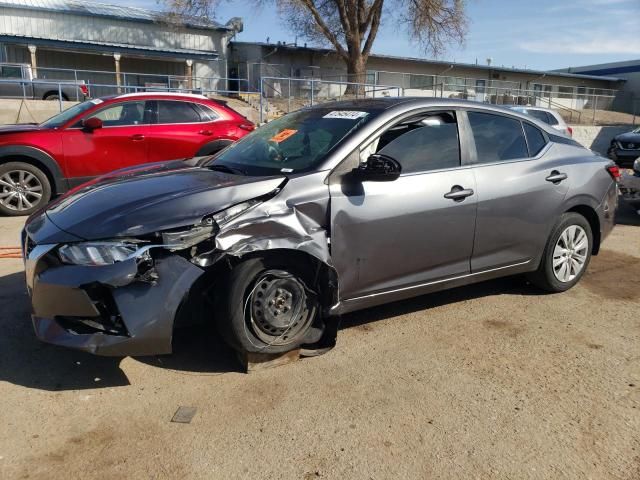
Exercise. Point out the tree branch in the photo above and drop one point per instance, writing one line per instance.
(324, 28)
(375, 15)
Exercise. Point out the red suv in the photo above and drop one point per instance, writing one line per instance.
(105, 134)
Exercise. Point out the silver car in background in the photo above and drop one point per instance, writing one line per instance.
(547, 115)
(327, 210)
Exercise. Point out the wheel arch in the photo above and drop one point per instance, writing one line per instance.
(39, 159)
(589, 213)
(55, 92)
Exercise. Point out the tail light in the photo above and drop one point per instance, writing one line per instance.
(249, 127)
(614, 171)
(84, 89)
(570, 130)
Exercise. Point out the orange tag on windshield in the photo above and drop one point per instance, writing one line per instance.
(283, 135)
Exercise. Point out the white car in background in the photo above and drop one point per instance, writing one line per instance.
(546, 115)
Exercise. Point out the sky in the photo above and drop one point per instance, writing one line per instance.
(539, 34)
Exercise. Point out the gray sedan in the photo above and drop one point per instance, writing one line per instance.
(324, 211)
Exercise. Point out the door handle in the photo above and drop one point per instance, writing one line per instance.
(137, 137)
(458, 193)
(556, 177)
(205, 132)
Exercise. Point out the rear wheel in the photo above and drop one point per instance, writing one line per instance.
(566, 255)
(24, 188)
(269, 306)
(54, 96)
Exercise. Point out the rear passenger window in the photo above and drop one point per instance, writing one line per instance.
(535, 139)
(428, 142)
(177, 112)
(497, 138)
(540, 115)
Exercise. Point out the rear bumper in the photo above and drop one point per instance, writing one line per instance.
(107, 310)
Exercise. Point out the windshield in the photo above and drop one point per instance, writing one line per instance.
(66, 115)
(294, 143)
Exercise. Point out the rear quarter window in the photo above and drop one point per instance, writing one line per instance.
(535, 139)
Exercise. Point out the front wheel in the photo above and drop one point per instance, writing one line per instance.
(566, 255)
(24, 188)
(269, 306)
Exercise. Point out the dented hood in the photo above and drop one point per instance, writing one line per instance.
(148, 199)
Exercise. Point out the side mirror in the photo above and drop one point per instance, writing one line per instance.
(378, 168)
(91, 124)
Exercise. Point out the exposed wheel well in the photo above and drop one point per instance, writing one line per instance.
(35, 163)
(594, 222)
(197, 307)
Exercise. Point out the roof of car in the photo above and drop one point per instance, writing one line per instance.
(160, 94)
(390, 102)
(386, 103)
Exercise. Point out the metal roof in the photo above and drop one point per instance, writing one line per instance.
(78, 7)
(444, 63)
(113, 47)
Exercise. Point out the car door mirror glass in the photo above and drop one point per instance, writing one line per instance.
(378, 168)
(91, 124)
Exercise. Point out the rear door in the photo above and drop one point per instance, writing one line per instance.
(180, 129)
(520, 190)
(121, 142)
(405, 233)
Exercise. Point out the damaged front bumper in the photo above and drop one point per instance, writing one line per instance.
(106, 310)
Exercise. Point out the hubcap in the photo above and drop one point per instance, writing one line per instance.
(20, 190)
(280, 309)
(570, 253)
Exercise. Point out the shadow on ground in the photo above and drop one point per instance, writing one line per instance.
(26, 361)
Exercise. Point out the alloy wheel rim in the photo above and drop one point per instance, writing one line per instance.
(570, 253)
(19, 190)
(280, 308)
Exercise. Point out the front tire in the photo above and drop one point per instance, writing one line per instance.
(566, 255)
(269, 305)
(24, 188)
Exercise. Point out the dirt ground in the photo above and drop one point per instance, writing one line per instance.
(492, 381)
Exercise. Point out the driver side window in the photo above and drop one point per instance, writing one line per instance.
(422, 143)
(122, 114)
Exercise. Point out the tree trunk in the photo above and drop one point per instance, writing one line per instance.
(356, 73)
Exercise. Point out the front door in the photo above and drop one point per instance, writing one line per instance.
(520, 193)
(121, 142)
(405, 233)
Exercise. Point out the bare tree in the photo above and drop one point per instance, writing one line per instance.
(351, 26)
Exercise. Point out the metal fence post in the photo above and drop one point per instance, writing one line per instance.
(289, 97)
(261, 81)
(312, 92)
(60, 96)
(75, 78)
(595, 105)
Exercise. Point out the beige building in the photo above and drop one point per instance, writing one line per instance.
(498, 84)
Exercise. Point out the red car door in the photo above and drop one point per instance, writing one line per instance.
(182, 128)
(120, 142)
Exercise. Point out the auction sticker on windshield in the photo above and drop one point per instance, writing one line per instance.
(346, 114)
(283, 135)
